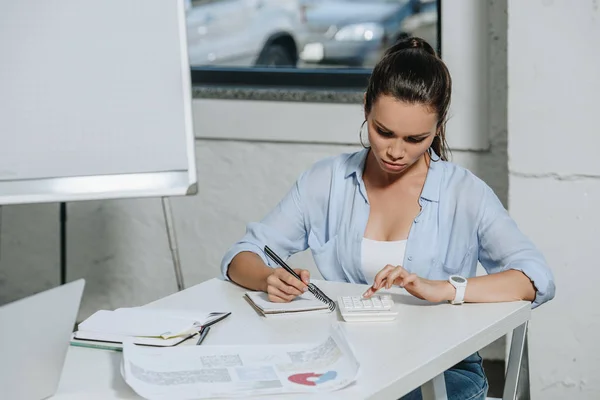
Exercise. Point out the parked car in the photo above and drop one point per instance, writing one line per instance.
(424, 24)
(355, 32)
(244, 32)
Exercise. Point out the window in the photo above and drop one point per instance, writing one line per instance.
(305, 43)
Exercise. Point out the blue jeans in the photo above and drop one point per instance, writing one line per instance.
(464, 381)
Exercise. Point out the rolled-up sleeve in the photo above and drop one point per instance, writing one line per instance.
(283, 230)
(502, 247)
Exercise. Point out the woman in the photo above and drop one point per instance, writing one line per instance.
(397, 213)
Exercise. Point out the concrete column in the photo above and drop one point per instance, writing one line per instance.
(554, 182)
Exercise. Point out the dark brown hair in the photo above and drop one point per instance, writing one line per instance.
(412, 72)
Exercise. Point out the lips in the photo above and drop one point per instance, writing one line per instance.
(393, 166)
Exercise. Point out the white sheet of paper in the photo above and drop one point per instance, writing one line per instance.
(139, 321)
(231, 371)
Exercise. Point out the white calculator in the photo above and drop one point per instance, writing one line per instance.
(377, 308)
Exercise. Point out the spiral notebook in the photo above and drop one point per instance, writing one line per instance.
(314, 290)
(145, 326)
(301, 304)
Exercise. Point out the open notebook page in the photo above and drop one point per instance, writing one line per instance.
(304, 302)
(143, 322)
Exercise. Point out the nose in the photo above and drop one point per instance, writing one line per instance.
(396, 150)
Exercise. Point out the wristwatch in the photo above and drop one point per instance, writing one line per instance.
(460, 284)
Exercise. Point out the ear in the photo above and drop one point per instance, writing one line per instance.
(365, 104)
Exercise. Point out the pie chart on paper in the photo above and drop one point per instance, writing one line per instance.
(311, 378)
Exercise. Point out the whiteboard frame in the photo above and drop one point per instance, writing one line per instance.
(118, 186)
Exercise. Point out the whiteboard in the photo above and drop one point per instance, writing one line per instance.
(95, 100)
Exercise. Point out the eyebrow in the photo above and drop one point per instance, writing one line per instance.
(380, 125)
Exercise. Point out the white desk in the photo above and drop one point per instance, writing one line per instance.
(415, 349)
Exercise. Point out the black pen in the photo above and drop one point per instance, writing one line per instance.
(203, 333)
(311, 287)
(217, 317)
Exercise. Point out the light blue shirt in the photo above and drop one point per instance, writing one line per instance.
(461, 222)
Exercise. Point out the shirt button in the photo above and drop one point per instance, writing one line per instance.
(409, 258)
(416, 220)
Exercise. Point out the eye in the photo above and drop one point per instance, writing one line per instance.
(384, 133)
(414, 140)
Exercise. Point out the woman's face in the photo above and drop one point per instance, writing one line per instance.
(399, 133)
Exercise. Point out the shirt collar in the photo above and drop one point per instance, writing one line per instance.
(355, 164)
(433, 181)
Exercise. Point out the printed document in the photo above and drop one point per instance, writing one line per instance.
(196, 372)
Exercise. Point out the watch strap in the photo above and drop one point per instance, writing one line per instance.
(459, 297)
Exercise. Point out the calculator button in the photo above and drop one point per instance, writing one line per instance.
(359, 309)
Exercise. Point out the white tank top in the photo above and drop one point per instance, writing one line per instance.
(375, 255)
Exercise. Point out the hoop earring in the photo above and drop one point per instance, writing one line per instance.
(360, 136)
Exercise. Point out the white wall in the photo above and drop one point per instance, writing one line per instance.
(554, 59)
(120, 247)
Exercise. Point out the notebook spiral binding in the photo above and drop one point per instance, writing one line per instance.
(311, 287)
(322, 296)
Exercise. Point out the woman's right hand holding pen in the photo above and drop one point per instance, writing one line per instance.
(283, 287)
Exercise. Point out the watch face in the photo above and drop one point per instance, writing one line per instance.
(458, 279)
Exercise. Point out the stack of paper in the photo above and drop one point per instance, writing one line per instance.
(301, 304)
(153, 327)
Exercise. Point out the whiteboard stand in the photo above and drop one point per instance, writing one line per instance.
(168, 213)
(63, 242)
(171, 236)
(0, 232)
